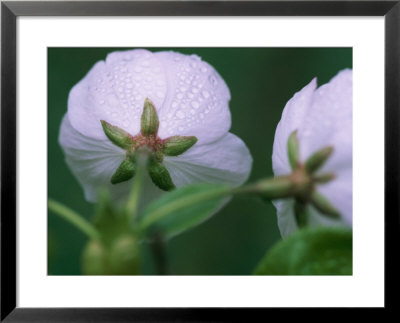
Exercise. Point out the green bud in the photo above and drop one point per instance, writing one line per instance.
(149, 120)
(293, 150)
(94, 258)
(323, 205)
(125, 256)
(160, 176)
(275, 188)
(118, 137)
(176, 145)
(125, 171)
(316, 160)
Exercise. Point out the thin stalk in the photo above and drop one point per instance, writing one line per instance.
(134, 195)
(74, 218)
(158, 246)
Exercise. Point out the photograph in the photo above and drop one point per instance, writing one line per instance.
(199, 161)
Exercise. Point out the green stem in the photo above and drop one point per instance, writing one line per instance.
(158, 247)
(74, 218)
(134, 195)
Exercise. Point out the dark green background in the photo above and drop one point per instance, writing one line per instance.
(261, 81)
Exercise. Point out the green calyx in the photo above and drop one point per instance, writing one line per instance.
(149, 144)
(301, 183)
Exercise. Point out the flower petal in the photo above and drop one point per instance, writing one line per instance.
(226, 160)
(197, 100)
(93, 162)
(293, 116)
(329, 122)
(114, 90)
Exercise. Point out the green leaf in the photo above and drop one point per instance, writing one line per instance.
(183, 208)
(311, 251)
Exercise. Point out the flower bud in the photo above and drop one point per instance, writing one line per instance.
(149, 120)
(94, 259)
(124, 256)
(176, 145)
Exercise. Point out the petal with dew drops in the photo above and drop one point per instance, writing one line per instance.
(114, 90)
(197, 101)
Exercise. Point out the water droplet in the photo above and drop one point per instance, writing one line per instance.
(195, 90)
(177, 58)
(138, 69)
(205, 94)
(182, 88)
(160, 94)
(179, 96)
(145, 63)
(181, 128)
(120, 89)
(174, 104)
(101, 101)
(195, 104)
(179, 114)
(204, 69)
(213, 80)
(201, 115)
(192, 111)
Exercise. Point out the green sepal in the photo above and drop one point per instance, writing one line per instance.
(300, 213)
(324, 178)
(318, 159)
(176, 145)
(125, 171)
(149, 120)
(293, 150)
(323, 205)
(118, 136)
(160, 176)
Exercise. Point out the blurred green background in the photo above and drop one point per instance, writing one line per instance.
(261, 81)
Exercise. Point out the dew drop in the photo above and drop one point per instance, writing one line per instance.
(213, 80)
(192, 111)
(145, 63)
(195, 104)
(160, 94)
(205, 94)
(179, 114)
(195, 90)
(138, 69)
(181, 128)
(174, 104)
(179, 96)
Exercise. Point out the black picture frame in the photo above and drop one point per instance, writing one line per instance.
(10, 10)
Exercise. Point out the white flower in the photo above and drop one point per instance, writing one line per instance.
(322, 118)
(190, 98)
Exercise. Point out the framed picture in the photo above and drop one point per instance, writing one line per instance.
(143, 143)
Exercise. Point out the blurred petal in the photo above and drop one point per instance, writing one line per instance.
(226, 160)
(114, 90)
(93, 162)
(329, 121)
(197, 101)
(293, 116)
